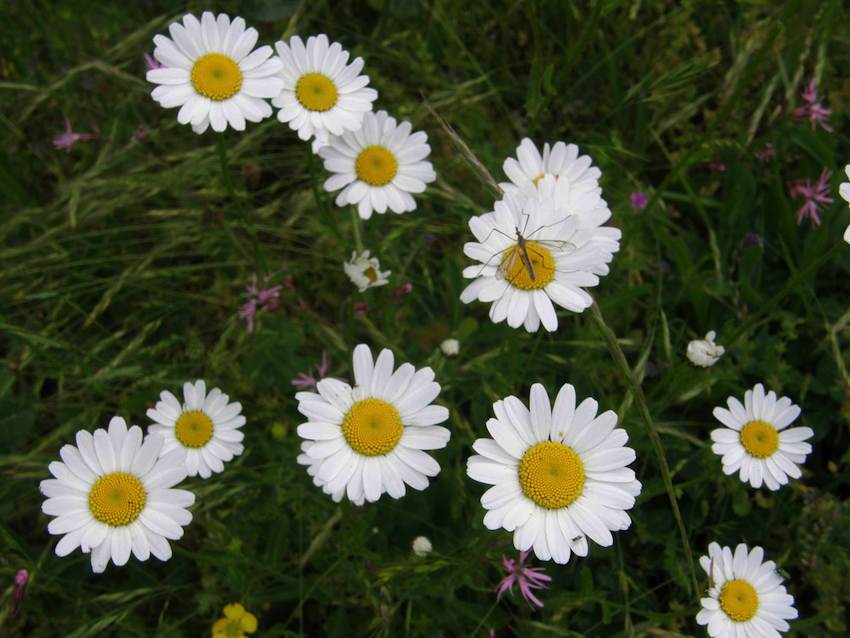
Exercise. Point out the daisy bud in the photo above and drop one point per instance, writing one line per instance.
(450, 347)
(704, 352)
(422, 546)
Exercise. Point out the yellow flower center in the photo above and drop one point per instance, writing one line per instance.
(193, 429)
(117, 499)
(739, 600)
(216, 76)
(551, 474)
(316, 92)
(760, 439)
(516, 268)
(234, 629)
(538, 178)
(372, 427)
(376, 165)
(371, 274)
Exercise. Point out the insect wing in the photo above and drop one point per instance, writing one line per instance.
(507, 264)
(556, 245)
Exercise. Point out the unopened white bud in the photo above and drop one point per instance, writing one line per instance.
(450, 347)
(704, 352)
(422, 546)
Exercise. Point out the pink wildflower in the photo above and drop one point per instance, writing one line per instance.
(141, 134)
(151, 63)
(269, 298)
(814, 196)
(259, 300)
(361, 308)
(816, 113)
(309, 381)
(247, 312)
(21, 580)
(401, 291)
(68, 137)
(638, 200)
(717, 167)
(765, 153)
(528, 579)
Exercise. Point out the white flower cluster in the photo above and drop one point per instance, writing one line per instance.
(211, 70)
(113, 493)
(544, 242)
(557, 469)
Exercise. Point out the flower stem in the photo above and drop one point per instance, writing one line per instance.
(221, 145)
(355, 223)
(619, 358)
(465, 150)
(320, 538)
(255, 254)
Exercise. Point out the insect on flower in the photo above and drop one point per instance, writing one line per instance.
(534, 254)
(524, 255)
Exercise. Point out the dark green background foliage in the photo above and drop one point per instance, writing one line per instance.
(124, 262)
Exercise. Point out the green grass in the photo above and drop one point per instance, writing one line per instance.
(123, 264)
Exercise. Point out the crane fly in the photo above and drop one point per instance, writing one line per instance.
(523, 249)
(518, 250)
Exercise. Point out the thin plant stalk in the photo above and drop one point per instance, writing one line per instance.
(619, 358)
(467, 153)
(320, 538)
(255, 254)
(355, 224)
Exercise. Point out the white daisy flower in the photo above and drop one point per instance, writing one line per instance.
(210, 71)
(588, 207)
(379, 166)
(559, 474)
(844, 187)
(844, 191)
(746, 597)
(533, 253)
(562, 161)
(112, 496)
(323, 94)
(369, 439)
(205, 427)
(365, 271)
(705, 352)
(755, 441)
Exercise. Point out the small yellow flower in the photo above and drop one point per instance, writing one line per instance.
(236, 623)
